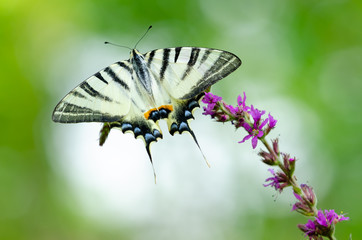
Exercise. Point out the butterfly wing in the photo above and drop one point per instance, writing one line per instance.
(185, 72)
(103, 97)
(110, 96)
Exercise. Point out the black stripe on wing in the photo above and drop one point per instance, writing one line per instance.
(150, 58)
(123, 65)
(222, 67)
(71, 113)
(100, 77)
(165, 62)
(193, 58)
(115, 78)
(205, 56)
(92, 92)
(177, 53)
(77, 94)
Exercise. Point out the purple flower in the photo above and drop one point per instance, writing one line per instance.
(329, 217)
(323, 225)
(209, 110)
(233, 110)
(279, 180)
(255, 131)
(256, 114)
(239, 109)
(310, 229)
(211, 98)
(211, 101)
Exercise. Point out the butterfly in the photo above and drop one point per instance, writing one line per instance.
(133, 95)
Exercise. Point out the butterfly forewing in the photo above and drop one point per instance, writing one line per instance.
(187, 71)
(104, 97)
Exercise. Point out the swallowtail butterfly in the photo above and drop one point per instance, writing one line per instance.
(134, 94)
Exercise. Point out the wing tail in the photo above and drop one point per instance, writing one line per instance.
(178, 119)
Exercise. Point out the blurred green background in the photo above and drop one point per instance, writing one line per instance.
(301, 61)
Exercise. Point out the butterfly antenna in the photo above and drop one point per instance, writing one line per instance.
(194, 137)
(117, 45)
(142, 36)
(153, 168)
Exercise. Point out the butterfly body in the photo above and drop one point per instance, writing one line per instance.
(133, 95)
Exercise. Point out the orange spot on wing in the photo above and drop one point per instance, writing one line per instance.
(147, 114)
(168, 107)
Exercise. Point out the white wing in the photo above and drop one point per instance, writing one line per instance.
(104, 97)
(185, 72)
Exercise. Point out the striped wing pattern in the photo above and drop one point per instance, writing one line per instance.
(103, 97)
(133, 95)
(186, 71)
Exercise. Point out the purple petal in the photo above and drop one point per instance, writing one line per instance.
(254, 142)
(297, 196)
(240, 100)
(211, 98)
(247, 127)
(342, 218)
(256, 114)
(272, 121)
(209, 110)
(330, 215)
(263, 123)
(245, 138)
(310, 228)
(321, 219)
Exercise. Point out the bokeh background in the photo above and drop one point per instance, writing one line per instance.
(301, 62)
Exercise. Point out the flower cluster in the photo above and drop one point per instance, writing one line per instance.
(257, 126)
(323, 225)
(240, 116)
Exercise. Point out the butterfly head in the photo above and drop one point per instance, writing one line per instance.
(136, 57)
(134, 52)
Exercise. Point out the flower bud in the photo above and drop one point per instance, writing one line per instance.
(276, 146)
(268, 158)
